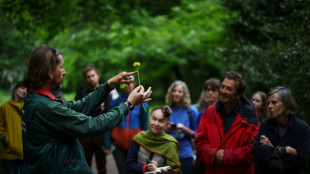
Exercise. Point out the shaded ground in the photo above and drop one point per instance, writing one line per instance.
(111, 166)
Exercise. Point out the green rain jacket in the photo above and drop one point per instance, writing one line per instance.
(51, 128)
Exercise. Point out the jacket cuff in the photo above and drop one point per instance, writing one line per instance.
(144, 168)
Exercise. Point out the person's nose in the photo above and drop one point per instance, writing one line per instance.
(64, 72)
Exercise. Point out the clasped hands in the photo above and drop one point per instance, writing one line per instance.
(138, 95)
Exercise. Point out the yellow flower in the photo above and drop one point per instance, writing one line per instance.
(136, 64)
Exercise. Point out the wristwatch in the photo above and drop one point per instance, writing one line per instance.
(130, 106)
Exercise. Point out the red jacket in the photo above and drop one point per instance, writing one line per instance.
(237, 142)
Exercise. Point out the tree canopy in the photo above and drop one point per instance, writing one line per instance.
(191, 40)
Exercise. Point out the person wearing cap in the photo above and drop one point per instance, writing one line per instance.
(11, 130)
(51, 127)
(135, 121)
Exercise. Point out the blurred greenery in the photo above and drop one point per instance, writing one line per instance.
(191, 40)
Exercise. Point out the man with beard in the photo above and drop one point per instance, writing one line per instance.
(51, 127)
(94, 145)
(224, 136)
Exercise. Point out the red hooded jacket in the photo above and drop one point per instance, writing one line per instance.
(237, 142)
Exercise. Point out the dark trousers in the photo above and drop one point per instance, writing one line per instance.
(13, 166)
(187, 165)
(120, 157)
(199, 166)
(95, 146)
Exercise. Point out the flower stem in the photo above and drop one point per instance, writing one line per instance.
(139, 85)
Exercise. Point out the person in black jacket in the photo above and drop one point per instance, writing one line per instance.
(94, 145)
(282, 144)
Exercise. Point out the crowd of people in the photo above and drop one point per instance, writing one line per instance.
(225, 132)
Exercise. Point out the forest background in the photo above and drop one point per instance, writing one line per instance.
(267, 41)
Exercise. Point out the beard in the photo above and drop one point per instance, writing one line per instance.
(57, 85)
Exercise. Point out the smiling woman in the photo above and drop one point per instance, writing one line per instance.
(154, 148)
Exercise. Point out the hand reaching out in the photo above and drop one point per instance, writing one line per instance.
(121, 78)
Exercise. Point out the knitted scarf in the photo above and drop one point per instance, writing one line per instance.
(164, 145)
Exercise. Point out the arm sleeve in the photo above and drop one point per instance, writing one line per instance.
(90, 101)
(299, 160)
(145, 117)
(204, 149)
(243, 154)
(132, 164)
(262, 152)
(55, 118)
(194, 120)
(2, 122)
(107, 140)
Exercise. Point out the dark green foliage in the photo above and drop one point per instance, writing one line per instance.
(270, 46)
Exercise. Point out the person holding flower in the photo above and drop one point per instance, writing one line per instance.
(51, 127)
(183, 122)
(154, 148)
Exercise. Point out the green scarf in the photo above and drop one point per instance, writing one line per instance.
(164, 145)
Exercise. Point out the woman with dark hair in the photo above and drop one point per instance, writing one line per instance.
(282, 143)
(154, 148)
(259, 100)
(209, 94)
(183, 122)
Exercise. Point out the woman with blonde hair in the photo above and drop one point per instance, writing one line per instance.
(183, 122)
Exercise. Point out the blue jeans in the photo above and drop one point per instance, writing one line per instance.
(13, 166)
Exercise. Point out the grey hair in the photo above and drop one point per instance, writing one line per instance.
(186, 99)
(287, 98)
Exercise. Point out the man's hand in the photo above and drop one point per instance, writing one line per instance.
(219, 157)
(138, 96)
(121, 78)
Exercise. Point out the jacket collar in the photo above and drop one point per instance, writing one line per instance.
(43, 92)
(244, 107)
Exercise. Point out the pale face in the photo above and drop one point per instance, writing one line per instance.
(228, 91)
(92, 78)
(211, 95)
(275, 105)
(178, 94)
(257, 101)
(59, 74)
(20, 93)
(157, 121)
